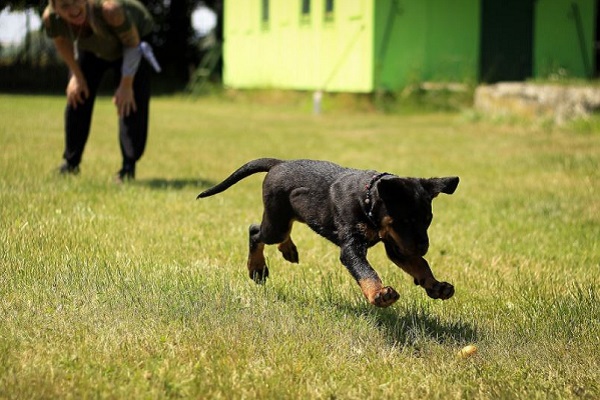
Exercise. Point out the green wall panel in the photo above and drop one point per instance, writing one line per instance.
(296, 52)
(564, 38)
(422, 40)
(369, 45)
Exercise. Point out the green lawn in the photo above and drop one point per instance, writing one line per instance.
(141, 291)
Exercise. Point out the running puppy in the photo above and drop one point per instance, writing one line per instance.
(352, 208)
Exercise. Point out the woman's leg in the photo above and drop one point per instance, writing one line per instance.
(78, 119)
(133, 129)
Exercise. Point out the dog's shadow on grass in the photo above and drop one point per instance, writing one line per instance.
(175, 184)
(415, 325)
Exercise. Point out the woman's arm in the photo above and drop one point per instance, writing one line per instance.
(115, 16)
(66, 49)
(77, 90)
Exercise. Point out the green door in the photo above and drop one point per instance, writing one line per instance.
(506, 40)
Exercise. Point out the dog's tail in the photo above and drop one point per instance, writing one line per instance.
(251, 167)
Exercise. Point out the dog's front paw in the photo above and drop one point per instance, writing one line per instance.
(259, 276)
(440, 290)
(386, 297)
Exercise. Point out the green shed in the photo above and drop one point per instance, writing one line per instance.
(370, 45)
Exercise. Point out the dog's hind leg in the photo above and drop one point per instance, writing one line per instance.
(257, 266)
(288, 250)
(273, 229)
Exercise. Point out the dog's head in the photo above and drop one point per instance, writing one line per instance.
(405, 212)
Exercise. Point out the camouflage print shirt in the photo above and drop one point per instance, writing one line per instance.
(102, 39)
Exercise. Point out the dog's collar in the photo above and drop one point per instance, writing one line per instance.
(369, 204)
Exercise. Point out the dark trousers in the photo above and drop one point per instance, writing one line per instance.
(133, 129)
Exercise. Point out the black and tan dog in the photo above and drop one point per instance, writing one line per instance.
(352, 208)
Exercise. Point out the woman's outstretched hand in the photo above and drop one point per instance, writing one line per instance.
(124, 99)
(77, 91)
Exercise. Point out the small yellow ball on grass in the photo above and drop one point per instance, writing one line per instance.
(467, 351)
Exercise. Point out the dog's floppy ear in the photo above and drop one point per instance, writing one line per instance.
(391, 188)
(436, 186)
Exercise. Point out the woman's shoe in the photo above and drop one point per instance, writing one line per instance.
(68, 169)
(125, 175)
